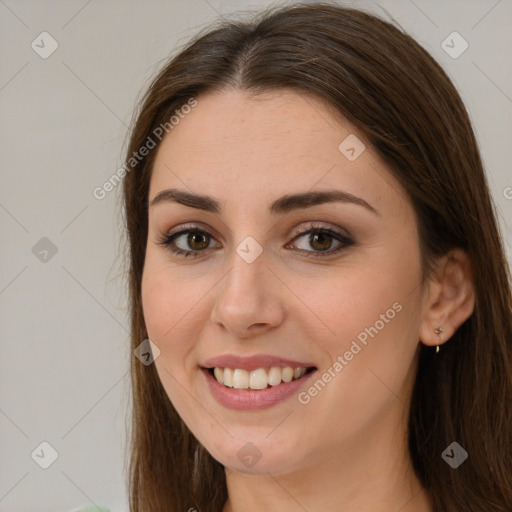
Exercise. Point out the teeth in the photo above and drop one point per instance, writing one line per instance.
(274, 376)
(287, 374)
(219, 375)
(240, 379)
(257, 379)
(227, 377)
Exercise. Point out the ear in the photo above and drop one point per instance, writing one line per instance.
(450, 298)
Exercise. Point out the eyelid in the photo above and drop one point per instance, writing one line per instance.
(341, 235)
(314, 224)
(189, 225)
(299, 230)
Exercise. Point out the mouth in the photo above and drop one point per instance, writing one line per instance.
(253, 383)
(258, 379)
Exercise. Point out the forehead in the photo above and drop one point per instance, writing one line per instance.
(281, 122)
(281, 141)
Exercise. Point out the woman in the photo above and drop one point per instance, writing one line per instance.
(315, 258)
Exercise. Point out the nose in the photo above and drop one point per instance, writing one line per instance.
(249, 299)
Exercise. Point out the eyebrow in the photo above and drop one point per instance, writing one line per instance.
(284, 204)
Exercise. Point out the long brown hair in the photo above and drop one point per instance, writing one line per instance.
(394, 92)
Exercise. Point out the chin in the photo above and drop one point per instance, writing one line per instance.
(257, 455)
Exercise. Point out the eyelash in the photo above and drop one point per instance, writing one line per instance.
(168, 239)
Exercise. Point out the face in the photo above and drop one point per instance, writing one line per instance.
(326, 293)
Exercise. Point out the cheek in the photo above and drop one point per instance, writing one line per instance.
(170, 303)
(171, 318)
(157, 303)
(366, 324)
(163, 308)
(175, 307)
(345, 307)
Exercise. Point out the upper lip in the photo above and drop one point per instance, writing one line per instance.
(253, 362)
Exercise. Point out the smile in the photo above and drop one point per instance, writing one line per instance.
(257, 379)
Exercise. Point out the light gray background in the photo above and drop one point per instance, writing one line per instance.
(63, 324)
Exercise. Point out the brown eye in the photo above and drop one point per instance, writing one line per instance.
(194, 241)
(321, 239)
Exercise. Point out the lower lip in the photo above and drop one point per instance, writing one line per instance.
(248, 399)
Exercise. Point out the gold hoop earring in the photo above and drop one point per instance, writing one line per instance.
(438, 331)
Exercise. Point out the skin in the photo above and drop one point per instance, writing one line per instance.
(346, 449)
